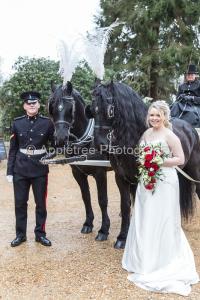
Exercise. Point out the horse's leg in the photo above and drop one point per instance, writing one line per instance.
(124, 188)
(101, 182)
(198, 190)
(133, 188)
(82, 180)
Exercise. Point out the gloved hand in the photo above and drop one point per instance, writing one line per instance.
(188, 98)
(9, 178)
(185, 98)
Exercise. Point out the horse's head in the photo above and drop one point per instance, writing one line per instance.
(102, 109)
(61, 106)
(119, 115)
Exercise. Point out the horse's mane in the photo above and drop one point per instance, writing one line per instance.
(77, 96)
(130, 114)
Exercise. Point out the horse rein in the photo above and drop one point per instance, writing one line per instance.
(186, 175)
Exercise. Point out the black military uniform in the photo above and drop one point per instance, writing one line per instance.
(28, 144)
(187, 105)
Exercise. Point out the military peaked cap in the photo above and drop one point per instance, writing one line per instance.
(30, 96)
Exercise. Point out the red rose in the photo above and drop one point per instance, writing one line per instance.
(147, 164)
(151, 174)
(147, 148)
(155, 167)
(149, 186)
(153, 153)
(153, 180)
(148, 157)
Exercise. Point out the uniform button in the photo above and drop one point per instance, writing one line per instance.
(31, 130)
(31, 122)
(30, 139)
(29, 156)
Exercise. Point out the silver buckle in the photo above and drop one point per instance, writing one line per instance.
(30, 150)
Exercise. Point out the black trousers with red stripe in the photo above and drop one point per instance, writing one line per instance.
(21, 193)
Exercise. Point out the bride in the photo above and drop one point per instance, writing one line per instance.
(157, 253)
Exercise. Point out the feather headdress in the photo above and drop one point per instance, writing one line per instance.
(69, 59)
(95, 47)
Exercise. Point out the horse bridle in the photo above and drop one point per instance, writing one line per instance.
(61, 107)
(83, 140)
(110, 113)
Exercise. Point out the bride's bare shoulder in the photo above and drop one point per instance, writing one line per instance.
(147, 132)
(169, 132)
(145, 135)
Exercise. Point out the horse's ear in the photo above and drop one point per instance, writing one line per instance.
(49, 107)
(97, 81)
(53, 86)
(112, 85)
(69, 87)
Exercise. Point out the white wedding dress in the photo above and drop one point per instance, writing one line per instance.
(157, 252)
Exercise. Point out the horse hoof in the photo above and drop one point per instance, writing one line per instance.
(101, 237)
(119, 244)
(86, 229)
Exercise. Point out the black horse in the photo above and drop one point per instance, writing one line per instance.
(67, 110)
(120, 120)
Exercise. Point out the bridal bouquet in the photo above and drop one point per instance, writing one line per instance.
(150, 159)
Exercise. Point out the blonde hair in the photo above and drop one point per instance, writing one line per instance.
(162, 107)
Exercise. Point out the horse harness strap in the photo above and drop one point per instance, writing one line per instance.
(102, 126)
(87, 137)
(62, 122)
(61, 107)
(186, 175)
(182, 111)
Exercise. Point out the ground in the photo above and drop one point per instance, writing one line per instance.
(76, 266)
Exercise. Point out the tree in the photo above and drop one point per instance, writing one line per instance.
(1, 77)
(30, 74)
(83, 81)
(156, 43)
(37, 74)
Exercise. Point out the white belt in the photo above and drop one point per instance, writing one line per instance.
(32, 151)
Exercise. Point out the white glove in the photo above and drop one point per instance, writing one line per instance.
(9, 178)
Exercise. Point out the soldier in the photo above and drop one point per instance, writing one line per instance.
(31, 134)
(187, 104)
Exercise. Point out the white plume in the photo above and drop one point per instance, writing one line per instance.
(95, 48)
(69, 59)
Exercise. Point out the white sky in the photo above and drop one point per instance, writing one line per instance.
(32, 27)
